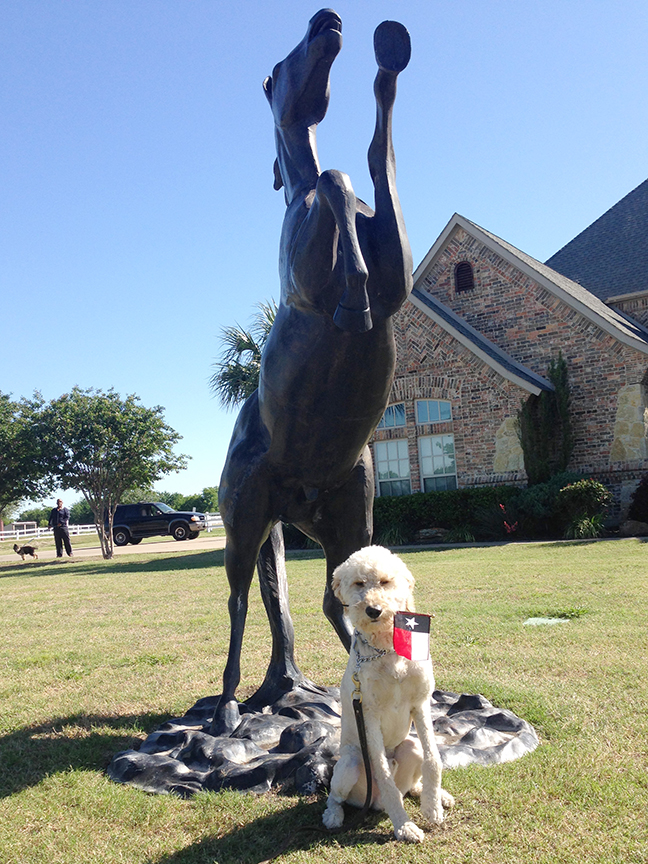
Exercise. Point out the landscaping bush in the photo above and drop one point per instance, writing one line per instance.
(580, 506)
(486, 513)
(455, 510)
(639, 506)
(534, 508)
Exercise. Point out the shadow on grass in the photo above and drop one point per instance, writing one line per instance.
(141, 564)
(80, 742)
(297, 829)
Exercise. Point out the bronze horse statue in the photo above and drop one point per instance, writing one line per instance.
(299, 451)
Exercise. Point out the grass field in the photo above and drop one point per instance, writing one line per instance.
(95, 654)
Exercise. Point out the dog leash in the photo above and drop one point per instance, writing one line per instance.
(356, 701)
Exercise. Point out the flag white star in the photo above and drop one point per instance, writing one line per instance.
(411, 623)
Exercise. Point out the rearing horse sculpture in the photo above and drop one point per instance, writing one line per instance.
(299, 451)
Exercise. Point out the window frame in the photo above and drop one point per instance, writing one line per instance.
(439, 402)
(383, 425)
(436, 476)
(402, 445)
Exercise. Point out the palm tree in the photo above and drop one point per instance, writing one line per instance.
(236, 372)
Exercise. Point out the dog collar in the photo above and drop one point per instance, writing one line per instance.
(377, 652)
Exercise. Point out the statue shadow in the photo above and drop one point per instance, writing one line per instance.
(32, 753)
(297, 829)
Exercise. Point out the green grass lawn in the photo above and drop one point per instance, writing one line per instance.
(95, 654)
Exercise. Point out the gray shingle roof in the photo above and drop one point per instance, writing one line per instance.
(610, 258)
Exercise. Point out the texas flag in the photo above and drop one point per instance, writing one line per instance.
(412, 635)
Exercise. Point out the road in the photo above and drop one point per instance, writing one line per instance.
(146, 547)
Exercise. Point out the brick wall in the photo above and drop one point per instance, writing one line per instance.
(532, 325)
(432, 365)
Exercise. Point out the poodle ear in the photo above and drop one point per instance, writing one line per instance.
(337, 581)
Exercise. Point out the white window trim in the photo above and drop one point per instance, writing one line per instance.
(423, 476)
(395, 426)
(422, 423)
(378, 481)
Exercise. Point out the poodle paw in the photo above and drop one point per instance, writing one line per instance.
(409, 832)
(447, 800)
(433, 811)
(333, 816)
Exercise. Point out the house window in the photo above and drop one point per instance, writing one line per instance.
(432, 411)
(437, 460)
(392, 467)
(394, 416)
(464, 279)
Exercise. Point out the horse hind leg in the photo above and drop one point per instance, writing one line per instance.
(283, 674)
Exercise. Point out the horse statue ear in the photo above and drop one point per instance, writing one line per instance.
(278, 181)
(267, 89)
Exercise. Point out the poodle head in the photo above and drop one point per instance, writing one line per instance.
(373, 584)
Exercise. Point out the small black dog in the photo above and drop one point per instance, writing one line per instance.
(25, 550)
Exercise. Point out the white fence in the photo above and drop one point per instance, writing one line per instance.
(213, 521)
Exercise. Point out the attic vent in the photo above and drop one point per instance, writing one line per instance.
(464, 280)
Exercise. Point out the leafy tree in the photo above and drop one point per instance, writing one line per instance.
(172, 499)
(208, 500)
(101, 445)
(21, 472)
(236, 374)
(134, 496)
(40, 515)
(81, 513)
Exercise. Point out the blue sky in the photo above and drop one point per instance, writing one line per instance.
(138, 216)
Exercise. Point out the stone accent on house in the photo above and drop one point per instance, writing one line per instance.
(631, 425)
(508, 451)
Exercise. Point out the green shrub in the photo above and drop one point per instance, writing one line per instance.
(580, 507)
(584, 528)
(499, 521)
(535, 507)
(455, 509)
(639, 506)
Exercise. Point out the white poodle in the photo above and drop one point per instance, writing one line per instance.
(374, 584)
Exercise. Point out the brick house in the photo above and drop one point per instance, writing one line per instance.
(475, 340)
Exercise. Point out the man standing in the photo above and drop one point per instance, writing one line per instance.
(58, 522)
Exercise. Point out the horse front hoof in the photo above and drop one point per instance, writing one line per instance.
(353, 320)
(392, 46)
(226, 718)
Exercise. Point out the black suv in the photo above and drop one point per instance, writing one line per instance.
(132, 522)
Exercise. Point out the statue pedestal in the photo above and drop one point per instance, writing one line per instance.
(293, 744)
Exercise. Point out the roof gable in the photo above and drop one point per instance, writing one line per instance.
(610, 320)
(610, 257)
(483, 348)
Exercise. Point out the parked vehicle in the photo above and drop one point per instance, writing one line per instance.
(133, 522)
